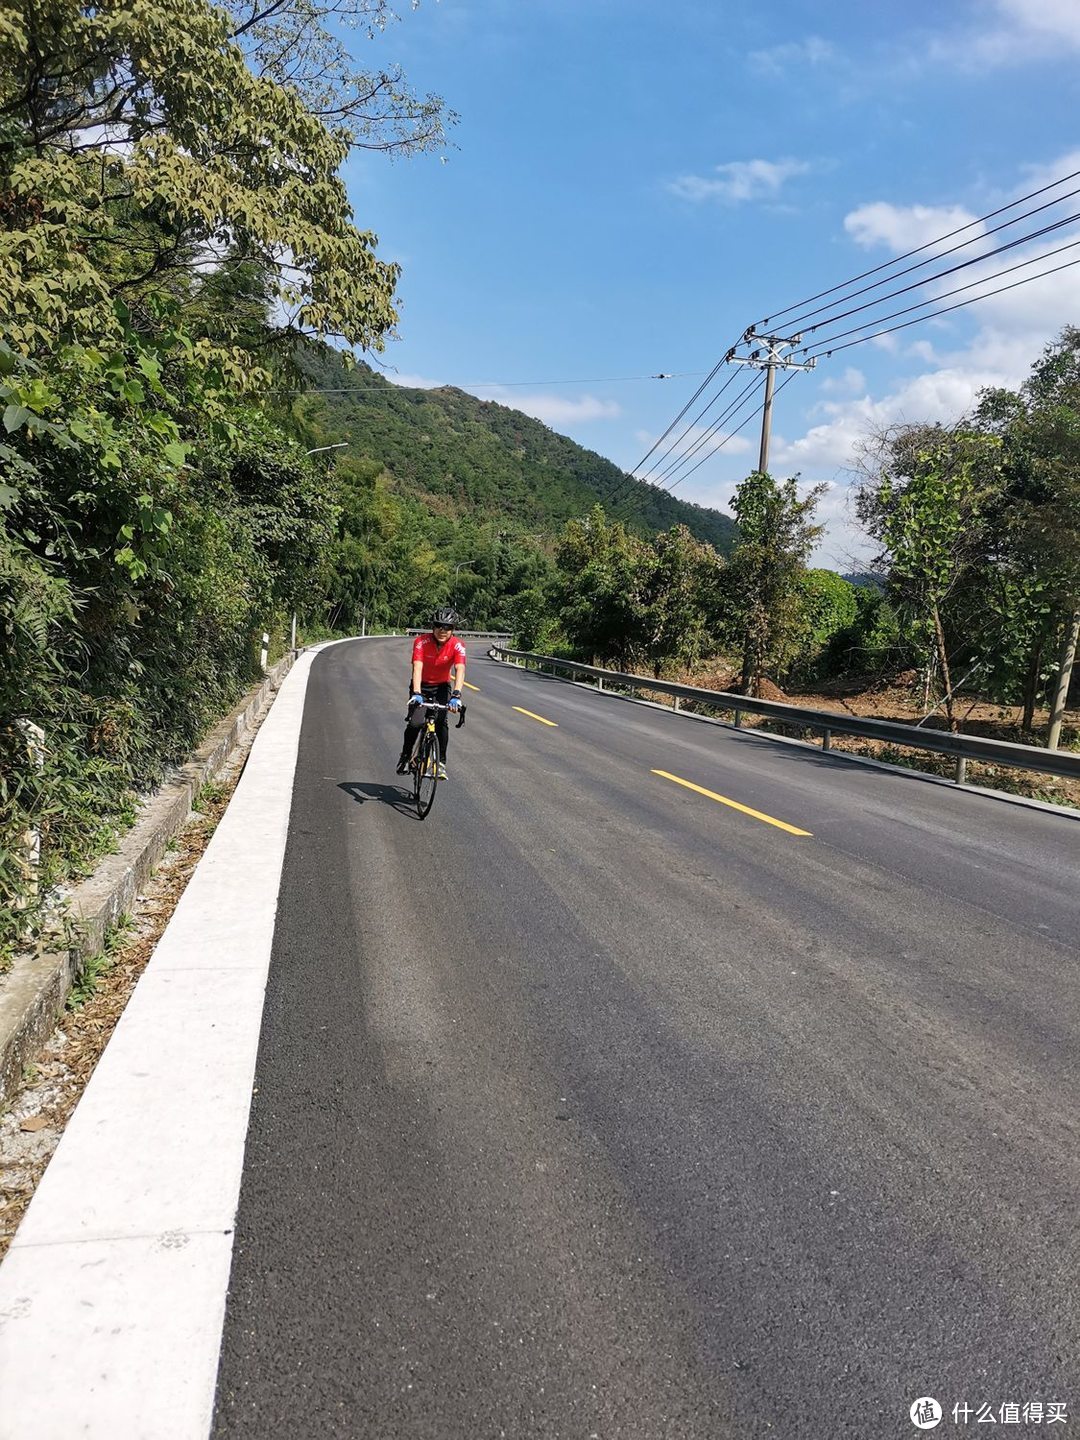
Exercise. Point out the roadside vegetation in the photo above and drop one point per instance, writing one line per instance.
(173, 225)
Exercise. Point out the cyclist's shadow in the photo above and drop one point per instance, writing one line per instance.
(392, 795)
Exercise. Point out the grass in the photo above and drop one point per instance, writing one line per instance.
(94, 970)
(208, 794)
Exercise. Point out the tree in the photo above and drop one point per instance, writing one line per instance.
(157, 199)
(829, 606)
(605, 572)
(138, 152)
(298, 44)
(871, 642)
(1039, 431)
(926, 503)
(683, 573)
(776, 535)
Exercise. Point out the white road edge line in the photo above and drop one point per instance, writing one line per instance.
(112, 1296)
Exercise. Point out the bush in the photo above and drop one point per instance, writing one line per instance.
(871, 643)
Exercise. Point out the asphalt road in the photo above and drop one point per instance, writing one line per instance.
(593, 1106)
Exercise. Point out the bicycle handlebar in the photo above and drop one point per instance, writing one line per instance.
(434, 705)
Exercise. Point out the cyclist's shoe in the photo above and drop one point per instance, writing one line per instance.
(440, 773)
(403, 764)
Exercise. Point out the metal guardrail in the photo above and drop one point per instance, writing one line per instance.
(830, 722)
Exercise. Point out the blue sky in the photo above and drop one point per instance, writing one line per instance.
(631, 185)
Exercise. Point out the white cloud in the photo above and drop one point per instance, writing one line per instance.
(779, 59)
(1035, 295)
(851, 382)
(413, 382)
(553, 410)
(1024, 31)
(938, 395)
(924, 351)
(828, 450)
(1059, 20)
(903, 227)
(740, 180)
(1047, 172)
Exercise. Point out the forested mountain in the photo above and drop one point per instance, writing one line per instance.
(474, 458)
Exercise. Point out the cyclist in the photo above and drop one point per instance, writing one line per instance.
(438, 673)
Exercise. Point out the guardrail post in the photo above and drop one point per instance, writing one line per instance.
(738, 717)
(826, 740)
(961, 769)
(674, 702)
(600, 682)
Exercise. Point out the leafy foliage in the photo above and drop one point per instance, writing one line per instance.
(829, 607)
(601, 600)
(928, 507)
(135, 145)
(160, 202)
(776, 535)
(980, 533)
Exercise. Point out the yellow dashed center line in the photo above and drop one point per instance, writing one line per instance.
(470, 687)
(553, 723)
(723, 800)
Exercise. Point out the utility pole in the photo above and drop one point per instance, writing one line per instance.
(770, 353)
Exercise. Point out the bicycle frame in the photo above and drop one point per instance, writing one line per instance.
(426, 768)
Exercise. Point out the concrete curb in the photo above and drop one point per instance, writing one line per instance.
(33, 992)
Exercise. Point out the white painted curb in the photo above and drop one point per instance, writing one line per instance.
(112, 1296)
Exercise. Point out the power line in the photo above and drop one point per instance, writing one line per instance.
(742, 424)
(625, 486)
(717, 448)
(941, 274)
(920, 319)
(596, 380)
(918, 249)
(800, 320)
(826, 345)
(732, 409)
(703, 386)
(699, 416)
(936, 299)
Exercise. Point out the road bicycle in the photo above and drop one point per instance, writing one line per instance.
(425, 758)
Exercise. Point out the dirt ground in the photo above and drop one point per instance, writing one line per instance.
(900, 699)
(33, 1121)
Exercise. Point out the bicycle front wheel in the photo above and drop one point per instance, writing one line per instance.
(427, 773)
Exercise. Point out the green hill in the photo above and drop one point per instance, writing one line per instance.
(472, 459)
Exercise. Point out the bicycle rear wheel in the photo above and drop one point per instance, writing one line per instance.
(427, 773)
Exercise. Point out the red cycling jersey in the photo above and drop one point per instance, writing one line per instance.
(437, 659)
